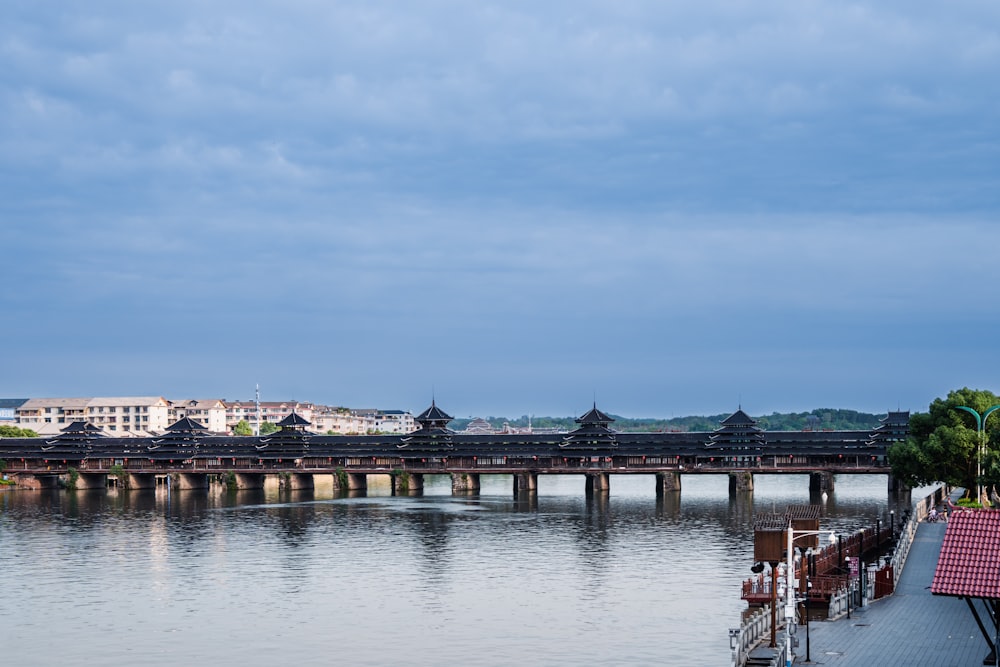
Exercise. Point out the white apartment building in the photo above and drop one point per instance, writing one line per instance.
(116, 416)
(340, 421)
(270, 411)
(209, 412)
(131, 416)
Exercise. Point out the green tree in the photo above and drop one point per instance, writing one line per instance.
(8, 431)
(943, 443)
(268, 428)
(242, 428)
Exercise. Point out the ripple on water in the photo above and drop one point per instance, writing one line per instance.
(559, 580)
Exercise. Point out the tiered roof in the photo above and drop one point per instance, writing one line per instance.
(291, 437)
(895, 427)
(183, 432)
(737, 431)
(433, 432)
(594, 432)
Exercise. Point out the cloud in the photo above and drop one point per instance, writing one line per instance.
(664, 198)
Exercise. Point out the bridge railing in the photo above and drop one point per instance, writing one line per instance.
(753, 628)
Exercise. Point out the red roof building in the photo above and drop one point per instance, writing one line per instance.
(969, 564)
(969, 567)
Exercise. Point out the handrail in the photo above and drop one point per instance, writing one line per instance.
(750, 632)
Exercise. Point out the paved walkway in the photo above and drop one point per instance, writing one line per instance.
(910, 628)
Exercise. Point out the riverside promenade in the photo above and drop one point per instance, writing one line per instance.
(910, 628)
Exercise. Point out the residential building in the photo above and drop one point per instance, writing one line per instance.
(209, 412)
(117, 416)
(270, 411)
(8, 409)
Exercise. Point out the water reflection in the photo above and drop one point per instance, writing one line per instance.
(276, 575)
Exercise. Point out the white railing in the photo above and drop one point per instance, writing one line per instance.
(750, 632)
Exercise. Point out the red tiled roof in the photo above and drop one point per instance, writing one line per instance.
(969, 564)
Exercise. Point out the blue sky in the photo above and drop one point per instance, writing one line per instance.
(516, 207)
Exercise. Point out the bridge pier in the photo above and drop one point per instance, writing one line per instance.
(350, 481)
(87, 481)
(525, 482)
(188, 481)
(297, 481)
(899, 490)
(598, 482)
(140, 481)
(667, 482)
(820, 483)
(740, 481)
(464, 483)
(249, 480)
(407, 484)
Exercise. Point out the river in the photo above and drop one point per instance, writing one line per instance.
(266, 578)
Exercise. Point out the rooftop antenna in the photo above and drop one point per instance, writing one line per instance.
(256, 400)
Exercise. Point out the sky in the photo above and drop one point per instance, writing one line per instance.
(666, 208)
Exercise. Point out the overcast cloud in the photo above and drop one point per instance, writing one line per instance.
(669, 208)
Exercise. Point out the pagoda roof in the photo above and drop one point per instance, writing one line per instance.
(969, 562)
(83, 427)
(594, 416)
(739, 418)
(81, 431)
(186, 425)
(294, 420)
(433, 414)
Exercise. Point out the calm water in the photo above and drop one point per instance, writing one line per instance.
(262, 578)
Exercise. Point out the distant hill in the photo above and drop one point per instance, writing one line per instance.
(816, 420)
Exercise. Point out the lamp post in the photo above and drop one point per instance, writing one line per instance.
(981, 430)
(790, 584)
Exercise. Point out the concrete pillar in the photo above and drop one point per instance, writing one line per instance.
(249, 480)
(140, 481)
(525, 482)
(300, 481)
(820, 483)
(667, 482)
(407, 484)
(91, 480)
(464, 482)
(350, 481)
(188, 481)
(899, 490)
(740, 481)
(598, 482)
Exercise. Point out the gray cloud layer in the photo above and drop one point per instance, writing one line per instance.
(668, 205)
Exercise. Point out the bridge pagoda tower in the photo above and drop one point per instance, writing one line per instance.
(895, 427)
(292, 440)
(594, 436)
(741, 442)
(436, 438)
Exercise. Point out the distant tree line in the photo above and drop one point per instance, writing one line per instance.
(816, 420)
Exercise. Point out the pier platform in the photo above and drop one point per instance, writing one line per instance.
(910, 628)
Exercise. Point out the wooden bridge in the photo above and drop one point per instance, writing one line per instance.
(187, 457)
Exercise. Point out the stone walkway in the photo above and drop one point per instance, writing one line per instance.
(910, 628)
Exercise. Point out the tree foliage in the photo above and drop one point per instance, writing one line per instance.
(8, 431)
(267, 428)
(242, 428)
(816, 420)
(943, 443)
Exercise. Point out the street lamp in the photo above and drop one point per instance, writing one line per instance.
(981, 429)
(790, 584)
